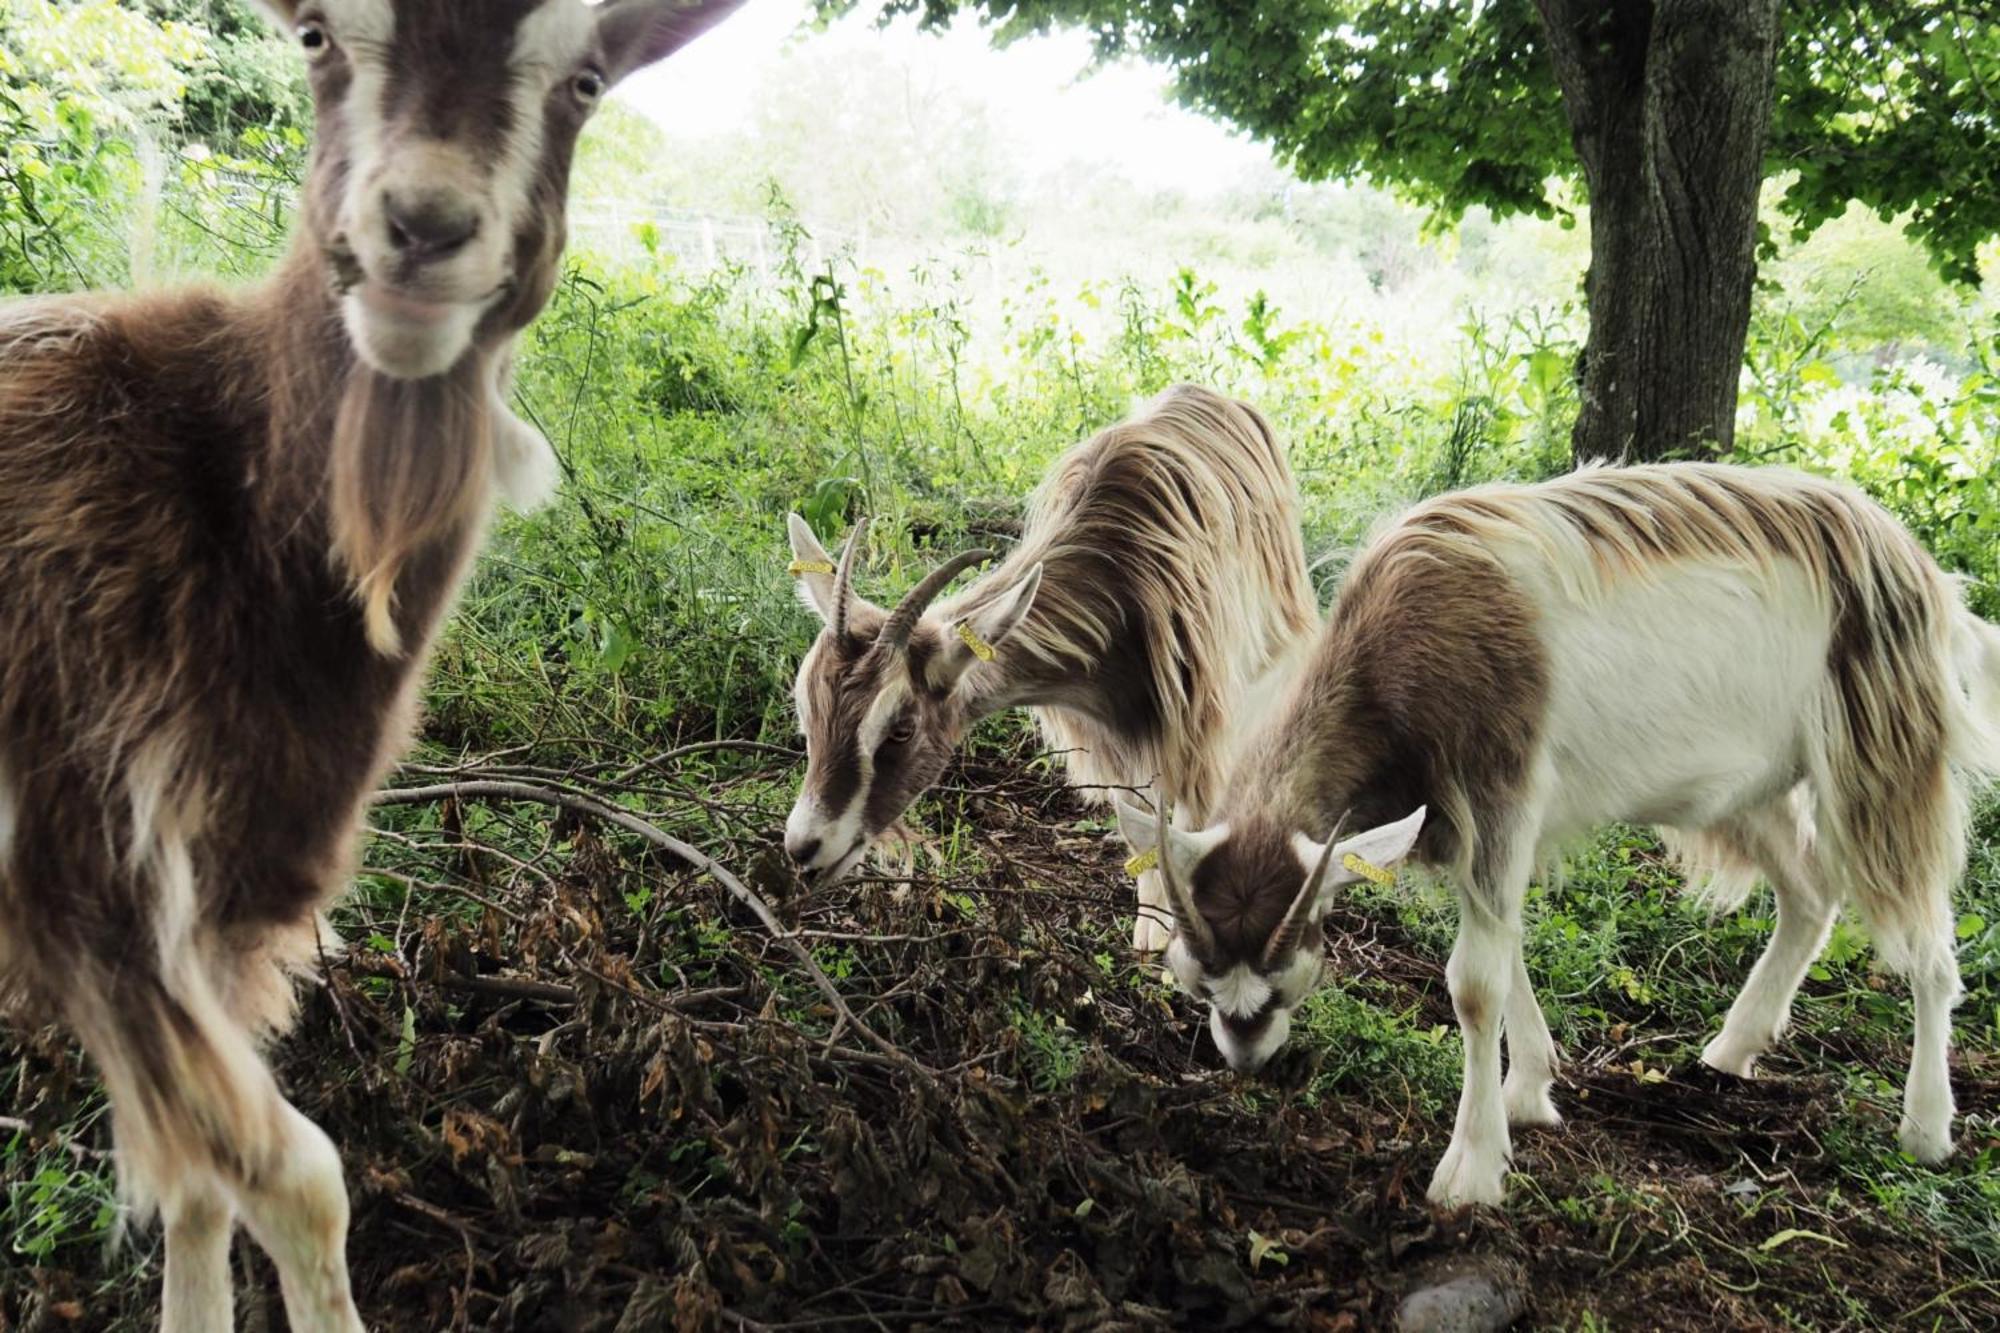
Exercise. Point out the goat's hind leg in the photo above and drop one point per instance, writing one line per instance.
(203, 1132)
(1773, 839)
(1531, 1053)
(1900, 877)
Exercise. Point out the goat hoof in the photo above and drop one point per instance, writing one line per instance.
(1467, 1176)
(1725, 1057)
(1530, 1106)
(1928, 1144)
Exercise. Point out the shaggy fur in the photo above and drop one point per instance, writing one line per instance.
(1172, 578)
(227, 539)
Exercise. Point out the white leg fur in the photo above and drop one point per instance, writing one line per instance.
(1531, 1054)
(196, 1297)
(1480, 974)
(1154, 924)
(1927, 1104)
(1764, 1007)
(298, 1214)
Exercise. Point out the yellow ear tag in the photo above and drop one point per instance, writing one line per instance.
(1367, 869)
(1143, 862)
(798, 567)
(980, 648)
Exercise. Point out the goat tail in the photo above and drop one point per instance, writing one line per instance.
(1976, 737)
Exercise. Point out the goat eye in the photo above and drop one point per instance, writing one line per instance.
(589, 86)
(902, 733)
(313, 37)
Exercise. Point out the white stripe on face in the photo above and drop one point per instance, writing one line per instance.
(549, 46)
(839, 831)
(1240, 992)
(364, 30)
(1246, 1056)
(367, 22)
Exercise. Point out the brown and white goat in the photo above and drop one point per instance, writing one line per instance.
(1765, 661)
(1159, 576)
(230, 523)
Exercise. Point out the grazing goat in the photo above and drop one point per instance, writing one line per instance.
(1160, 574)
(230, 523)
(1762, 660)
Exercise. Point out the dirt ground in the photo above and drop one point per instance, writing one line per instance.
(578, 1098)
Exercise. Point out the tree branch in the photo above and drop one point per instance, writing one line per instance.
(585, 805)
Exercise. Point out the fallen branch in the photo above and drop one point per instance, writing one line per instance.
(577, 803)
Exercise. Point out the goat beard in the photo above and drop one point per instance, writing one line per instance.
(411, 467)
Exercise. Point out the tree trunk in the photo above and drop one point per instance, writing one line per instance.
(1669, 105)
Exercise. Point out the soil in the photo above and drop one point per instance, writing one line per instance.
(579, 1097)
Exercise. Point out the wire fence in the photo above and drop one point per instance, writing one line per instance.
(703, 241)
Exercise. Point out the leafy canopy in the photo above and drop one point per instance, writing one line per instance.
(1894, 103)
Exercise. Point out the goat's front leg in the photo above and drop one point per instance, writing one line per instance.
(1481, 975)
(298, 1213)
(1155, 923)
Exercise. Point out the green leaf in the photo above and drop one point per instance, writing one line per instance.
(618, 646)
(407, 1046)
(1545, 371)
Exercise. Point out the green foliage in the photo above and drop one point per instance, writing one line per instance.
(1886, 102)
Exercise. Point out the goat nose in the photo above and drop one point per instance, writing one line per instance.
(429, 224)
(803, 851)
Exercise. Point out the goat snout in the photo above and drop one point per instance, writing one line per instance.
(426, 223)
(803, 851)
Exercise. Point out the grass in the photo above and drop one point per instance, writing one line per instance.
(648, 612)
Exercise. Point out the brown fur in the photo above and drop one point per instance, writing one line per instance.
(226, 545)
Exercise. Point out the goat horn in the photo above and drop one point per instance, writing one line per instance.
(902, 621)
(843, 579)
(1286, 937)
(1193, 925)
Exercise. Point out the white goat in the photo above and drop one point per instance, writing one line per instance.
(1765, 661)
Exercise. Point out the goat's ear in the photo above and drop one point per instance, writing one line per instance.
(525, 467)
(812, 567)
(282, 13)
(1139, 825)
(974, 638)
(635, 33)
(1378, 850)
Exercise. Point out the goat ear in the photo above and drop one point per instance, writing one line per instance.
(636, 33)
(812, 567)
(1378, 849)
(282, 13)
(1138, 824)
(974, 638)
(525, 467)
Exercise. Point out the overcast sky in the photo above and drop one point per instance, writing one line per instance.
(1037, 90)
